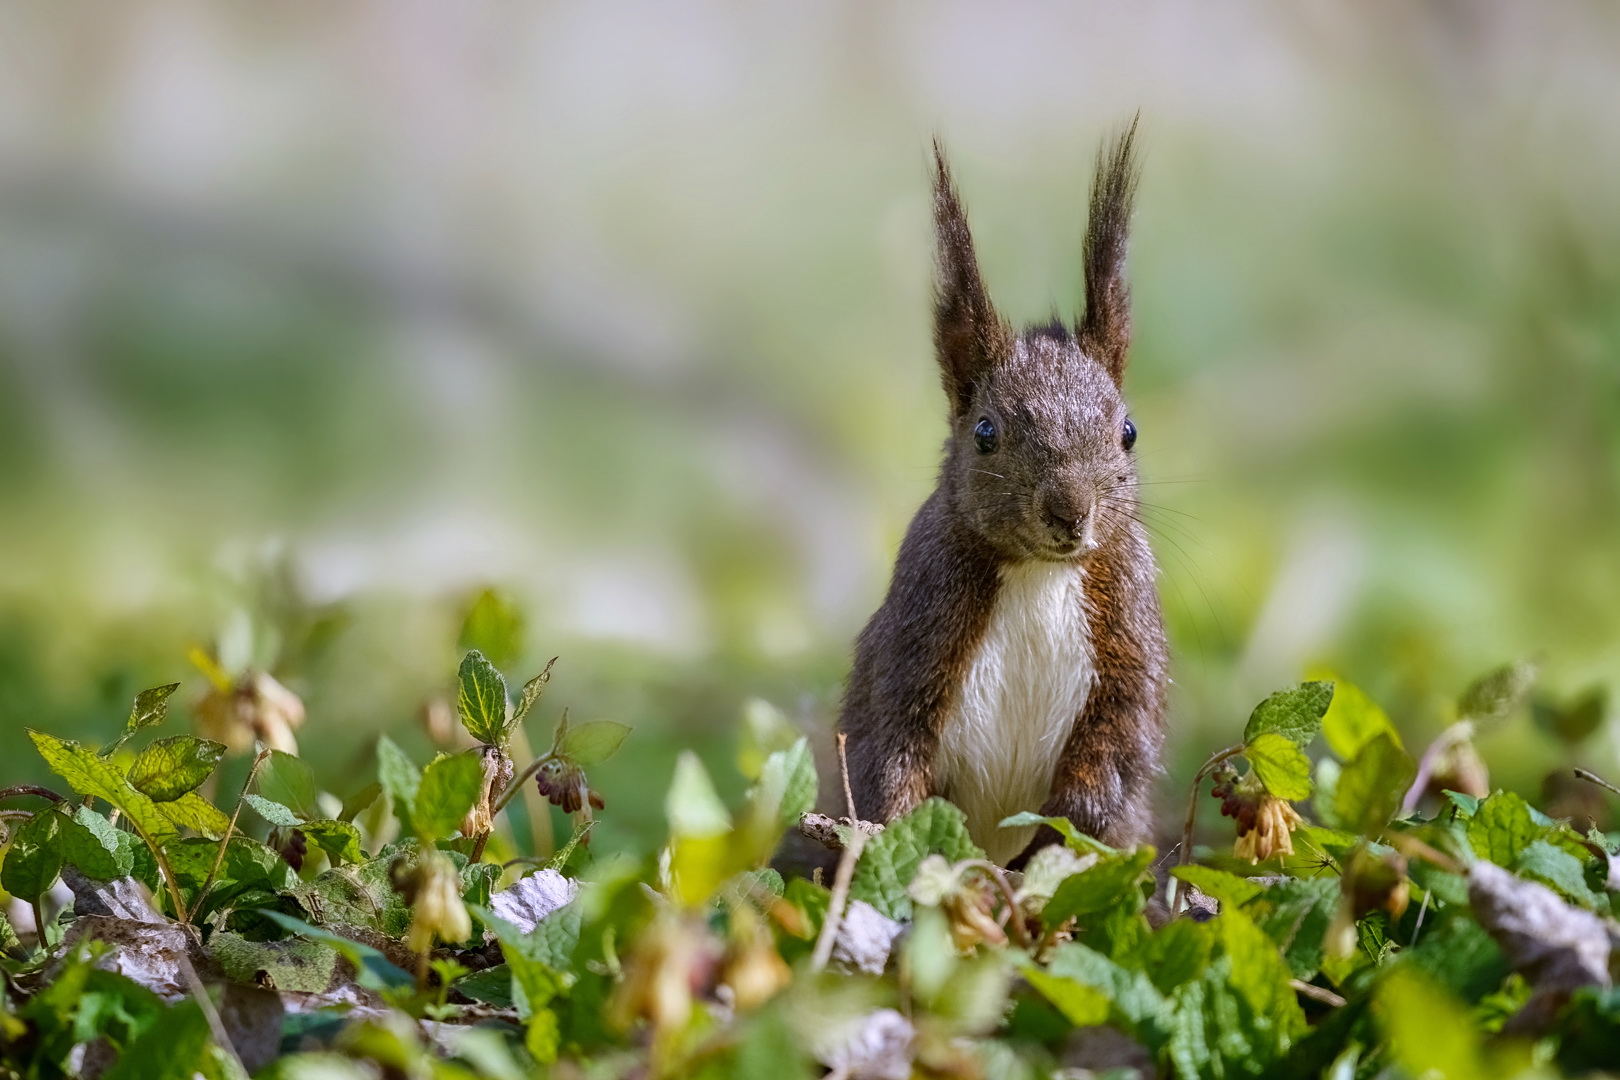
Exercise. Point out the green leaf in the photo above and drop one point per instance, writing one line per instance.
(1259, 973)
(178, 1046)
(890, 859)
(1228, 888)
(290, 781)
(170, 767)
(693, 807)
(1295, 713)
(1280, 764)
(1502, 828)
(150, 708)
(339, 839)
(1559, 869)
(273, 812)
(294, 965)
(595, 742)
(531, 692)
(493, 627)
(1111, 882)
(374, 971)
(1177, 953)
(1497, 694)
(450, 786)
(1136, 1005)
(90, 775)
(1429, 1033)
(34, 860)
(481, 699)
(787, 780)
(1072, 837)
(1081, 1005)
(400, 778)
(192, 811)
(1370, 788)
(1354, 720)
(89, 842)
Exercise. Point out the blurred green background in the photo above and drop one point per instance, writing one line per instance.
(315, 320)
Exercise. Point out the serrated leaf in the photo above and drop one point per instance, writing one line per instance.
(481, 699)
(151, 707)
(1280, 764)
(400, 778)
(1295, 713)
(1501, 828)
(890, 859)
(339, 839)
(192, 811)
(1353, 720)
(594, 742)
(90, 775)
(168, 768)
(1177, 953)
(289, 780)
(1370, 788)
(1136, 1005)
(1497, 694)
(1259, 973)
(1109, 883)
(450, 785)
(89, 842)
(273, 812)
(531, 692)
(34, 860)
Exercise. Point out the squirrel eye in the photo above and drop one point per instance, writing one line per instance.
(984, 436)
(1128, 439)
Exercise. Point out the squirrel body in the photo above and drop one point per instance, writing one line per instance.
(1018, 661)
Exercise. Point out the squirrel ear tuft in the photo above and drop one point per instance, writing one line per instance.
(1105, 329)
(968, 334)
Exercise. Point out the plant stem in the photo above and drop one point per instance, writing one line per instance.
(224, 841)
(39, 924)
(29, 789)
(518, 781)
(840, 898)
(1192, 808)
(1593, 778)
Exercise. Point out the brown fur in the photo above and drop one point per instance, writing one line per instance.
(1058, 477)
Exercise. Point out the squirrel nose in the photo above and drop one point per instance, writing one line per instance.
(1064, 517)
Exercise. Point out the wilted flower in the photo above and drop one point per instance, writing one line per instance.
(1265, 823)
(753, 968)
(432, 888)
(256, 706)
(563, 782)
(672, 961)
(497, 775)
(964, 897)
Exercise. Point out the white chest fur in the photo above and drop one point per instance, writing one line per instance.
(1022, 694)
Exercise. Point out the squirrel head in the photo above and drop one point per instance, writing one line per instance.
(1039, 461)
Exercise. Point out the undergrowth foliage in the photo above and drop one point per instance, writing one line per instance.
(1375, 915)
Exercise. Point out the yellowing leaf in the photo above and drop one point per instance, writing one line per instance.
(192, 811)
(1353, 720)
(90, 775)
(1280, 764)
(595, 742)
(170, 767)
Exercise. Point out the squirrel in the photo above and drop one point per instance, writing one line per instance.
(1019, 661)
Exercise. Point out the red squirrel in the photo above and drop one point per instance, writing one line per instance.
(1019, 660)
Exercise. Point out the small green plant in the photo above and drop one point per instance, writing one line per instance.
(1367, 919)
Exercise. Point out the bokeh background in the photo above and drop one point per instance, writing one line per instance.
(316, 320)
